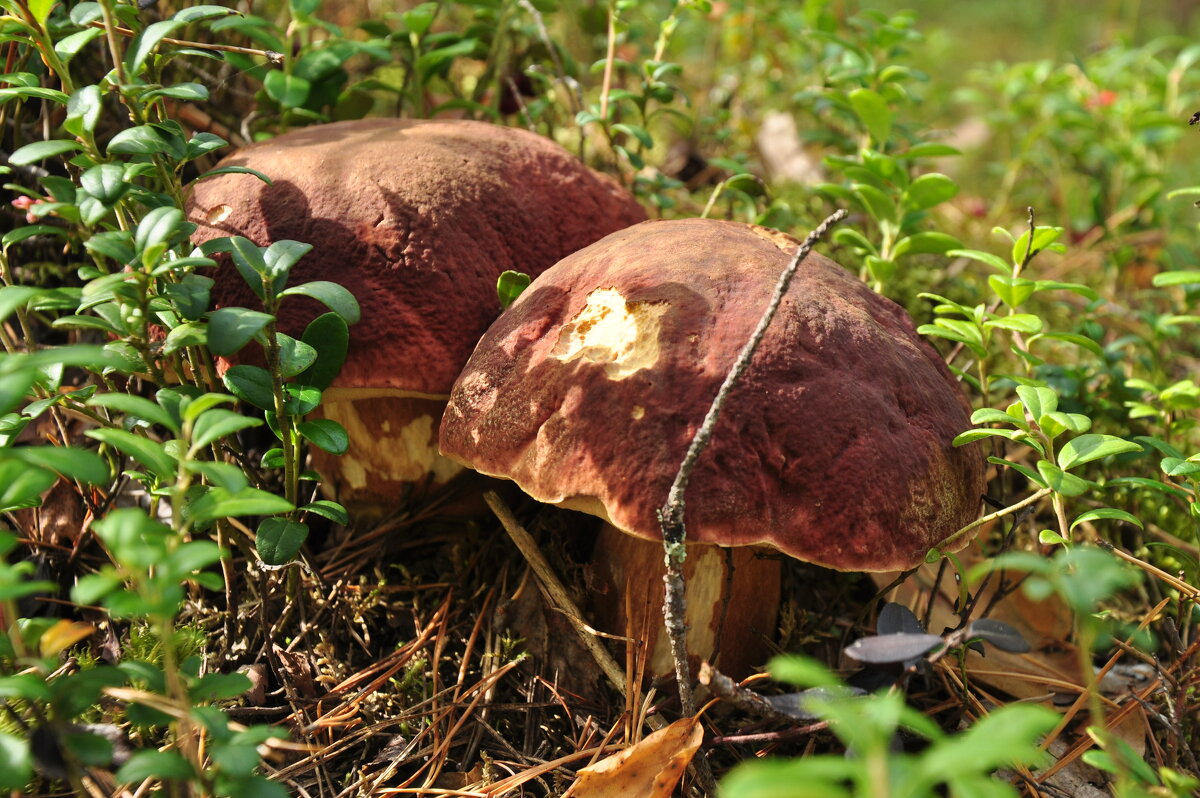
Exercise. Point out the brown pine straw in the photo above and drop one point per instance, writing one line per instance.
(1084, 743)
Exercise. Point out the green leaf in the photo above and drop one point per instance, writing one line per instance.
(331, 295)
(15, 387)
(219, 423)
(22, 486)
(330, 337)
(294, 356)
(145, 42)
(1060, 481)
(248, 258)
(186, 334)
(232, 170)
(994, 261)
(219, 686)
(929, 190)
(192, 92)
(1019, 322)
(251, 384)
(1178, 467)
(1013, 291)
(433, 60)
(510, 285)
(105, 182)
(140, 140)
(40, 150)
(300, 400)
(325, 434)
(79, 464)
(191, 295)
(221, 503)
(229, 329)
(802, 672)
(83, 110)
(872, 110)
(1106, 513)
(40, 9)
(16, 762)
(1038, 401)
(136, 406)
(136, 539)
(328, 509)
(220, 475)
(280, 257)
(1087, 448)
(150, 763)
(147, 452)
(1043, 238)
(160, 227)
(925, 243)
(15, 297)
(1183, 277)
(875, 202)
(278, 540)
(640, 133)
(1008, 736)
(201, 12)
(289, 91)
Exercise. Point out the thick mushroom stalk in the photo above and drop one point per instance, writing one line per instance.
(418, 219)
(834, 446)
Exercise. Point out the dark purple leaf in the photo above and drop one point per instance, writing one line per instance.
(1000, 635)
(897, 619)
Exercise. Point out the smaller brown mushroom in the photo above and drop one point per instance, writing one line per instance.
(834, 448)
(418, 219)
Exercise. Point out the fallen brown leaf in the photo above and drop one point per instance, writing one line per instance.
(649, 769)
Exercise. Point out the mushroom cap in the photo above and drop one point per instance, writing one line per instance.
(834, 447)
(418, 219)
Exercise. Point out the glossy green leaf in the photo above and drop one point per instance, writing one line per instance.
(149, 763)
(141, 140)
(229, 329)
(145, 43)
(40, 150)
(1087, 448)
(219, 423)
(82, 465)
(221, 503)
(147, 452)
(330, 337)
(136, 406)
(872, 110)
(331, 295)
(325, 434)
(1106, 514)
(328, 509)
(289, 91)
(105, 182)
(251, 384)
(929, 190)
(294, 356)
(16, 762)
(278, 540)
(510, 285)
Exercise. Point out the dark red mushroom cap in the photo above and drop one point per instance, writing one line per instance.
(418, 219)
(834, 448)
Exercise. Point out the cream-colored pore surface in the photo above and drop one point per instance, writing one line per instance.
(621, 335)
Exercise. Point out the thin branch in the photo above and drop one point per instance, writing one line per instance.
(670, 516)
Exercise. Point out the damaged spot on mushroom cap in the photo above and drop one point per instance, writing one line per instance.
(622, 335)
(218, 214)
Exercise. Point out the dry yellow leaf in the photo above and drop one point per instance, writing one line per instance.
(62, 636)
(650, 769)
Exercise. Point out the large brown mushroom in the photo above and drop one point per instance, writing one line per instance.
(834, 448)
(418, 219)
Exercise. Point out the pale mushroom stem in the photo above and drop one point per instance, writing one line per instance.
(670, 517)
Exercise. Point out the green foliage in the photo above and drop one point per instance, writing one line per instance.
(960, 764)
